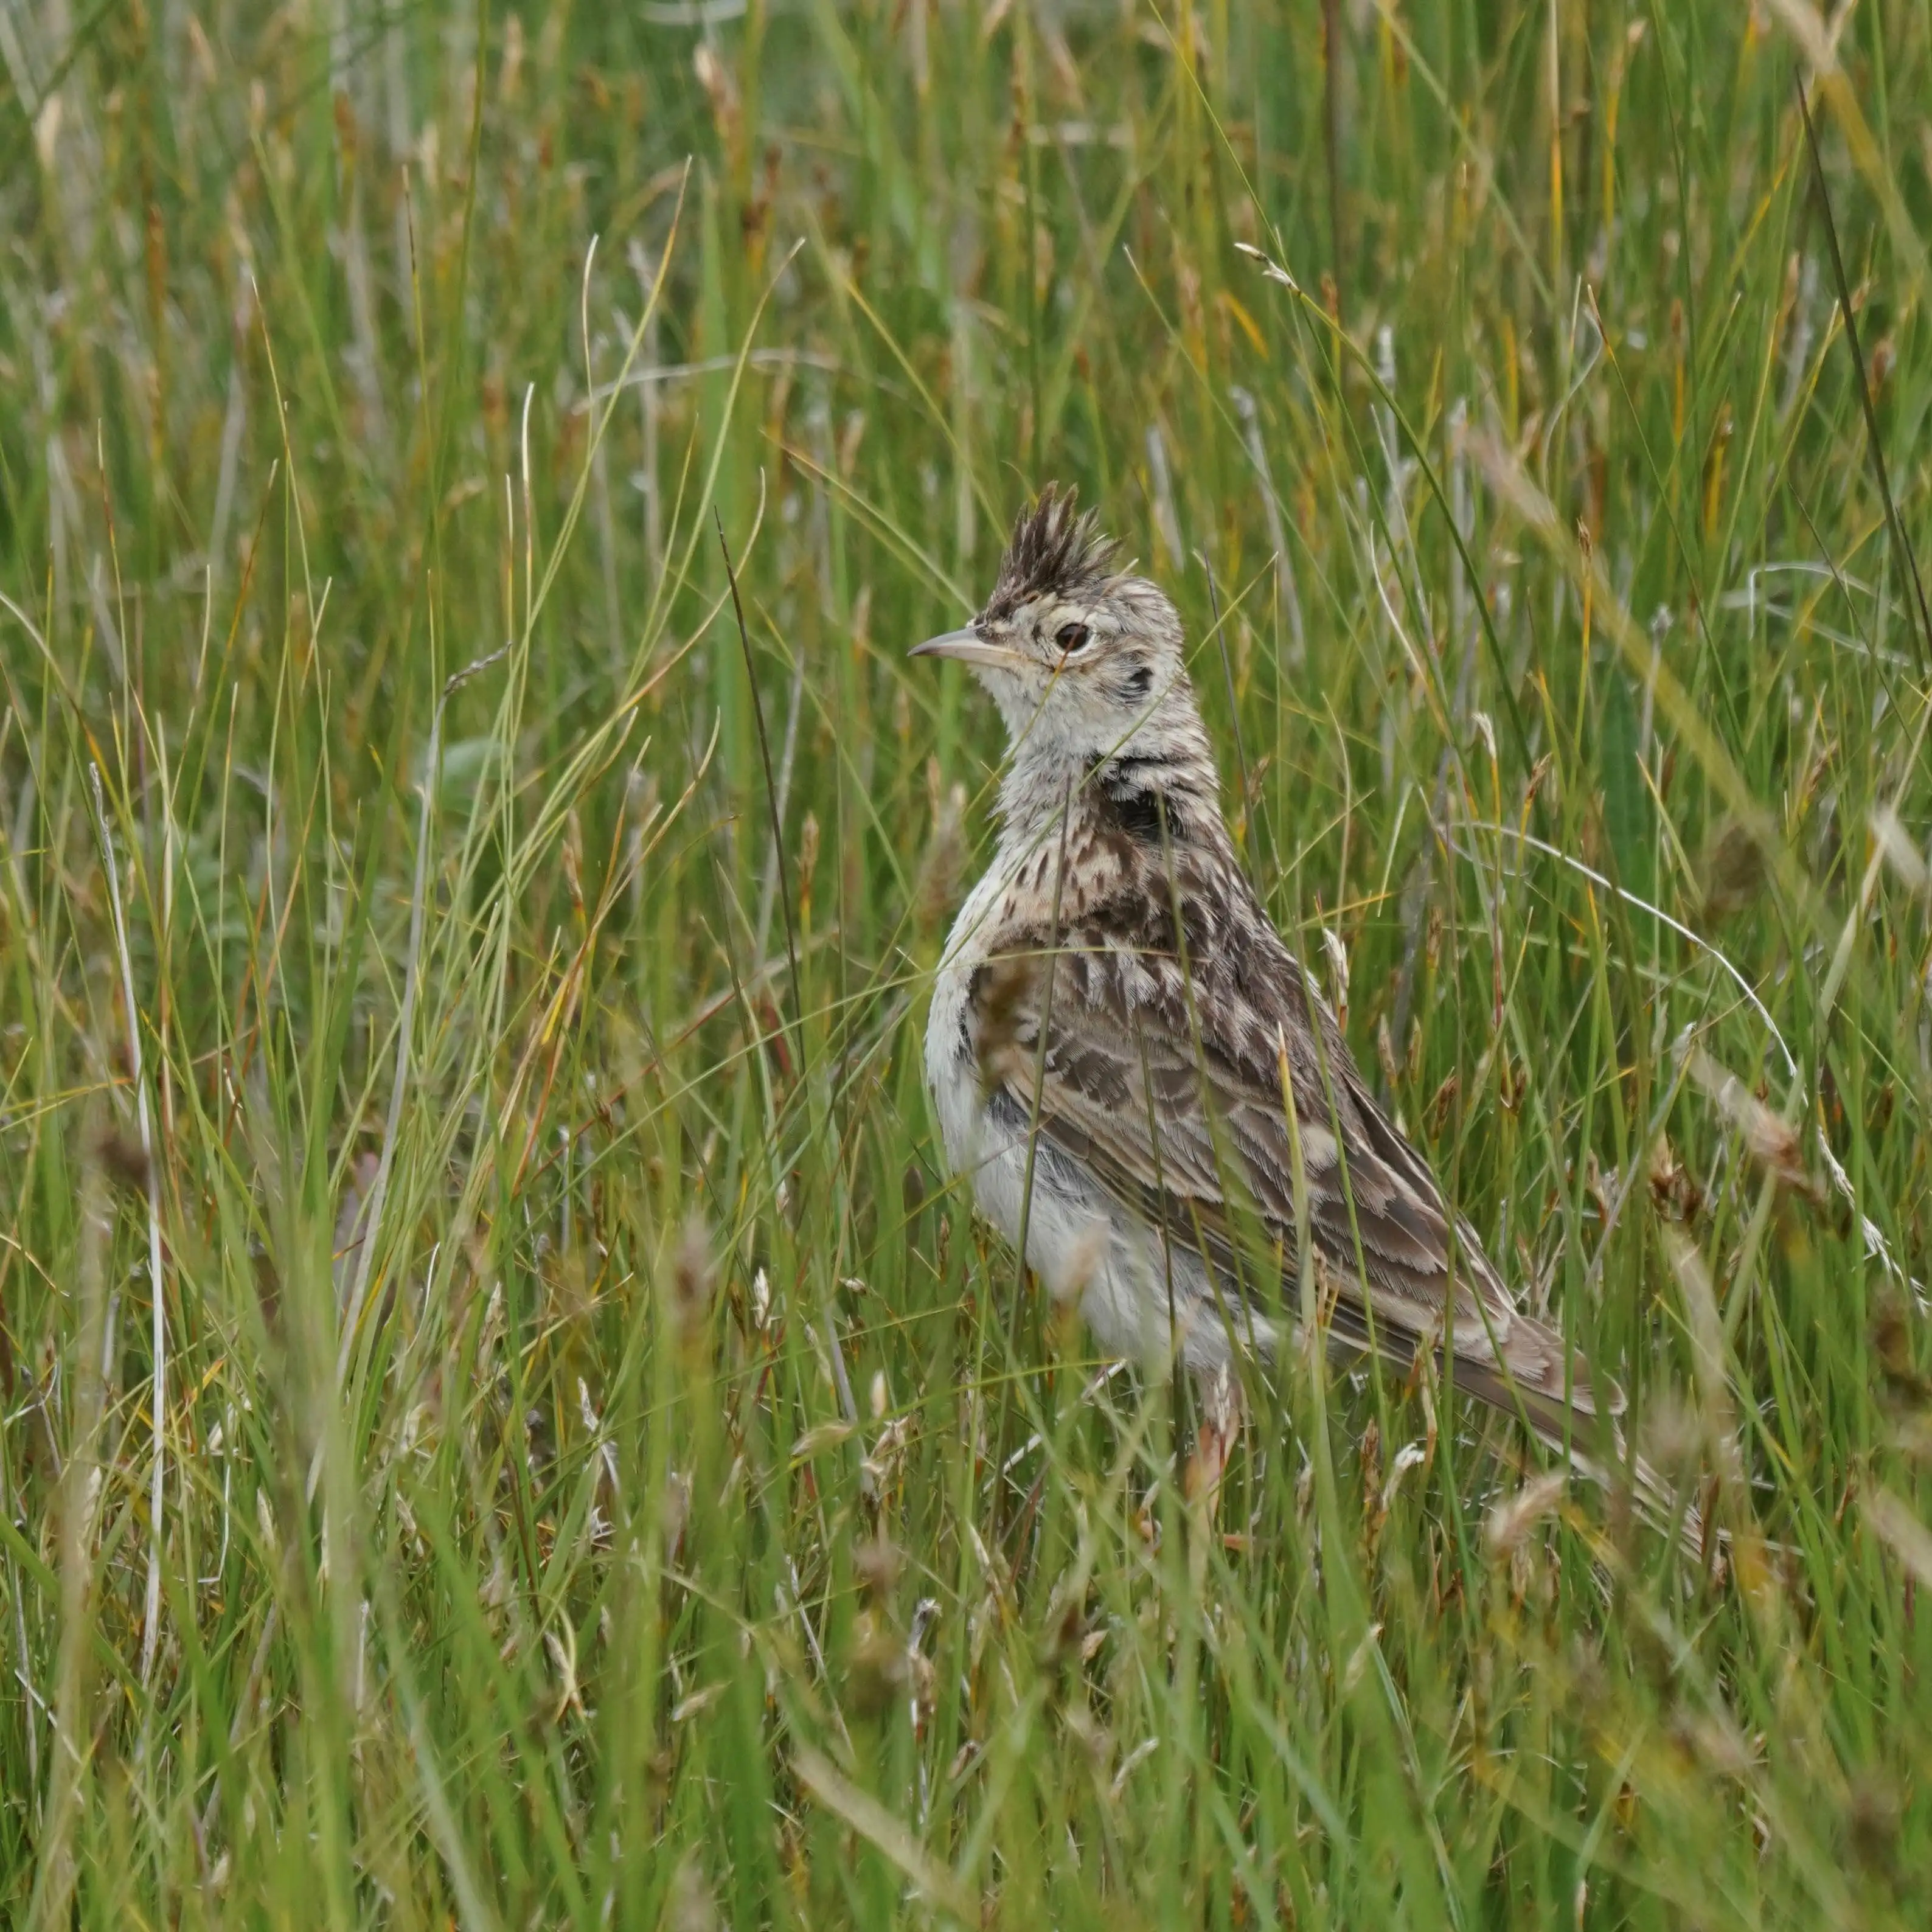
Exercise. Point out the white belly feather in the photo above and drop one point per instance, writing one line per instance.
(1080, 1242)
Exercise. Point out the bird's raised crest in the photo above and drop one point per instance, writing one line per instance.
(1054, 551)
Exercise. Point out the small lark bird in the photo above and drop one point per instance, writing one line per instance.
(1130, 1065)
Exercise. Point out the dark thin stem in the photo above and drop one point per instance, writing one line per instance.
(771, 799)
(1904, 549)
(1228, 677)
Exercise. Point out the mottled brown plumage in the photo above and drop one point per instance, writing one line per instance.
(1143, 1148)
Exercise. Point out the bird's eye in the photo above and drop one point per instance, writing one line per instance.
(1073, 637)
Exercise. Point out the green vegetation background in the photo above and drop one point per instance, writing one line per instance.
(504, 1422)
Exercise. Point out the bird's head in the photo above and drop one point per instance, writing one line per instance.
(1081, 656)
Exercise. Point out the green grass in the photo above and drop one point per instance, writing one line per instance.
(605, 1476)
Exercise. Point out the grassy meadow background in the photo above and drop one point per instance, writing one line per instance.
(506, 1424)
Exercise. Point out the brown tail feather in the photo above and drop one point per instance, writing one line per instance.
(1556, 1425)
(1556, 1421)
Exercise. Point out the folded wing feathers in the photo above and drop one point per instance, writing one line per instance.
(1169, 1092)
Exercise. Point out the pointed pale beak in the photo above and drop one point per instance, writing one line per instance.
(968, 646)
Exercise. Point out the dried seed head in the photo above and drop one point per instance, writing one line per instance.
(1385, 1058)
(938, 884)
(690, 1274)
(1673, 1438)
(1512, 1519)
(1338, 966)
(1891, 1343)
(1678, 1197)
(878, 1565)
(1732, 872)
(123, 1159)
(690, 1907)
(1771, 1140)
(573, 857)
(1872, 1818)
(676, 1509)
(721, 91)
(877, 1672)
(808, 853)
(1064, 1634)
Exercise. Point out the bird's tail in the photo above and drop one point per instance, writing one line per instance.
(1667, 1508)
(1662, 1505)
(1557, 1425)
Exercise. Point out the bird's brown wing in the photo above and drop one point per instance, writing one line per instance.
(1167, 1084)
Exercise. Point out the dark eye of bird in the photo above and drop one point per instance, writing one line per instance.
(1073, 637)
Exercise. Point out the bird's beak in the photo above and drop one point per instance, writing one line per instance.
(968, 647)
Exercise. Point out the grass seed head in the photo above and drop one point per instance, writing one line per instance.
(691, 1277)
(1731, 874)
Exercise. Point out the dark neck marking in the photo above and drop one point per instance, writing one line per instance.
(1141, 815)
(1136, 796)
